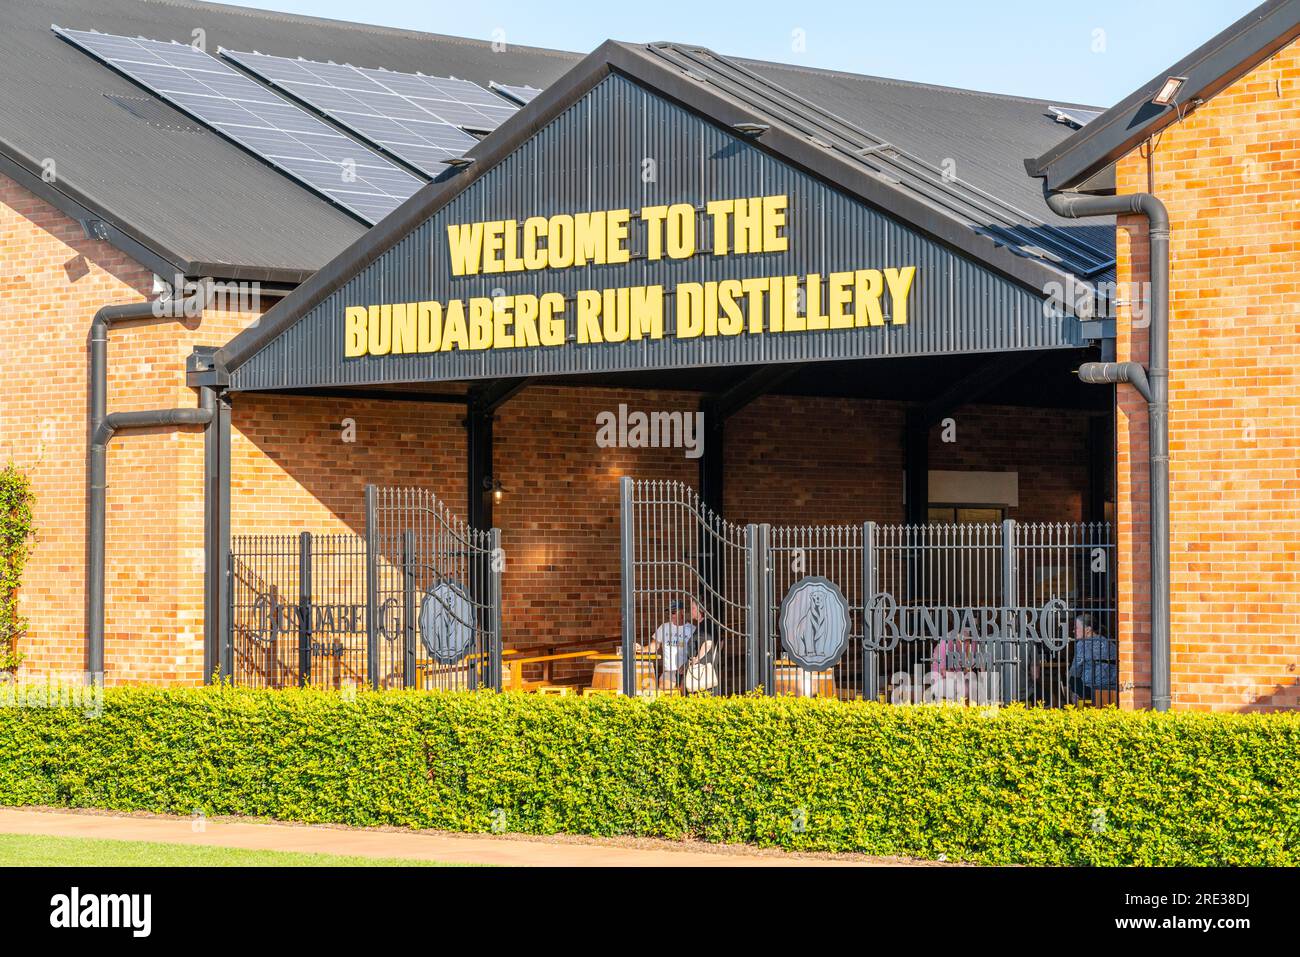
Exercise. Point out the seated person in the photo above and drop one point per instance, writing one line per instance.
(672, 642)
(1094, 665)
(954, 659)
(954, 655)
(703, 652)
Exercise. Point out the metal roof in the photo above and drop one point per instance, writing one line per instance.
(1208, 69)
(179, 197)
(983, 135)
(176, 195)
(946, 147)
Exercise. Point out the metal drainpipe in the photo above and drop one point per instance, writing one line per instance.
(102, 426)
(1153, 384)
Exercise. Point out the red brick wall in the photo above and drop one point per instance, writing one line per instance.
(291, 468)
(828, 461)
(52, 281)
(1230, 176)
(1046, 447)
(559, 513)
(795, 461)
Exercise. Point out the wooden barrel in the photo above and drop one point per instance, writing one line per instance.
(793, 680)
(608, 676)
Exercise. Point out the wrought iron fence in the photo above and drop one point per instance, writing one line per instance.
(990, 613)
(298, 605)
(994, 613)
(1075, 565)
(415, 602)
(686, 587)
(830, 559)
(436, 584)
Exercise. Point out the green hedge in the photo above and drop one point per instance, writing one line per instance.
(16, 532)
(1010, 785)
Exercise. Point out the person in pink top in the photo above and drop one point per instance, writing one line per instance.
(952, 663)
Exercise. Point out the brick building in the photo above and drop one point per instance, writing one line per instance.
(904, 354)
(1223, 158)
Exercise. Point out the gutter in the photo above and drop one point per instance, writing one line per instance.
(102, 426)
(1209, 68)
(1152, 383)
(99, 223)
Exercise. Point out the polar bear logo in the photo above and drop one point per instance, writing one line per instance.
(814, 622)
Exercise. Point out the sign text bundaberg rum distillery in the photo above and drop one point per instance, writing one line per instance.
(731, 307)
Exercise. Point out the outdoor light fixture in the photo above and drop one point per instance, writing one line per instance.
(751, 129)
(1168, 90)
(459, 162)
(94, 228)
(494, 486)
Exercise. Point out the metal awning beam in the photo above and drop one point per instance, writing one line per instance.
(488, 397)
(391, 395)
(974, 386)
(758, 383)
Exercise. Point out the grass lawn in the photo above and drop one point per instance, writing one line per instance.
(26, 850)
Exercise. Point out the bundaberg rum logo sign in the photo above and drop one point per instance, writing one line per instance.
(758, 305)
(814, 623)
(447, 622)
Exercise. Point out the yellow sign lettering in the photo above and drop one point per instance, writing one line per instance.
(465, 243)
(864, 298)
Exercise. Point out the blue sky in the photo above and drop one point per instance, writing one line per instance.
(1095, 52)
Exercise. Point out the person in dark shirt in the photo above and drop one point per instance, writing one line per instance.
(1094, 667)
(703, 666)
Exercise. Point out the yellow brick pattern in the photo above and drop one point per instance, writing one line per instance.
(1230, 175)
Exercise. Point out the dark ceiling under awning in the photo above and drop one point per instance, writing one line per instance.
(1047, 381)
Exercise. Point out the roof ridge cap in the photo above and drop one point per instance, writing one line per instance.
(895, 81)
(350, 25)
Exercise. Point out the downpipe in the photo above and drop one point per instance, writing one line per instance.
(1111, 373)
(1152, 383)
(102, 427)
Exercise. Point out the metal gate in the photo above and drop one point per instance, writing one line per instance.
(989, 613)
(435, 584)
(676, 551)
(414, 603)
(297, 610)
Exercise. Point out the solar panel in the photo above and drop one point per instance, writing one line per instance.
(1075, 116)
(460, 102)
(420, 119)
(282, 133)
(523, 95)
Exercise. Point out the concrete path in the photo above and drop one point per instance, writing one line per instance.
(508, 850)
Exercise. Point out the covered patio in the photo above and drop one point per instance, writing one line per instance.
(958, 594)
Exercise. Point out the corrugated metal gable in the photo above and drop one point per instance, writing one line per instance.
(592, 156)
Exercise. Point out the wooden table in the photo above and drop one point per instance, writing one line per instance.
(515, 681)
(546, 655)
(432, 673)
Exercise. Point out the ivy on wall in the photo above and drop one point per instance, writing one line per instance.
(15, 546)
